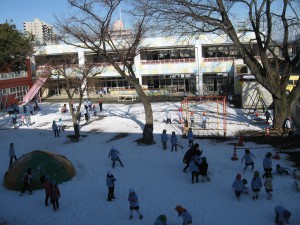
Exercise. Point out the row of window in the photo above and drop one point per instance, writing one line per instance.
(20, 91)
(7, 76)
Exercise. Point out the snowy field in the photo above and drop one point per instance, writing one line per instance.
(155, 175)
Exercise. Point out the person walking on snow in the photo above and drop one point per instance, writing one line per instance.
(238, 186)
(189, 154)
(256, 185)
(27, 182)
(168, 117)
(203, 168)
(55, 129)
(192, 118)
(134, 203)
(204, 119)
(248, 157)
(54, 195)
(180, 115)
(47, 186)
(267, 163)
(173, 141)
(185, 215)
(194, 167)
(164, 139)
(12, 154)
(190, 136)
(110, 183)
(268, 186)
(60, 125)
(114, 156)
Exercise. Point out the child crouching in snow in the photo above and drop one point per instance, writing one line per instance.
(280, 170)
(186, 216)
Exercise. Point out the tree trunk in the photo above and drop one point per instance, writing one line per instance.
(148, 138)
(281, 111)
(76, 127)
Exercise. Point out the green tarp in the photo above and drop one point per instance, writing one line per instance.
(42, 163)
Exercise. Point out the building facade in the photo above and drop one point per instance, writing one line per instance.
(44, 33)
(206, 64)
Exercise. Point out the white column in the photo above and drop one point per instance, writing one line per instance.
(199, 78)
(81, 62)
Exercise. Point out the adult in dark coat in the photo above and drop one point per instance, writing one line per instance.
(189, 154)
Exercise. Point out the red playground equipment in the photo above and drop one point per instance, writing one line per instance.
(206, 115)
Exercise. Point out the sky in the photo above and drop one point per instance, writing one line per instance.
(155, 174)
(21, 11)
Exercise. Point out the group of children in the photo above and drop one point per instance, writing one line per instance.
(181, 119)
(51, 191)
(239, 184)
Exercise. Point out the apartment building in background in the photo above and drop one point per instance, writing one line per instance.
(43, 32)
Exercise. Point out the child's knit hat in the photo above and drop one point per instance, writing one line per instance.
(179, 208)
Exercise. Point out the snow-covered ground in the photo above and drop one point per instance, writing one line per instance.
(156, 175)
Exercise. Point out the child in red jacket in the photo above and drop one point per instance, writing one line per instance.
(54, 195)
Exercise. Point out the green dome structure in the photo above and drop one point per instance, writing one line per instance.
(42, 163)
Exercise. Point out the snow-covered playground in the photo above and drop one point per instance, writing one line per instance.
(155, 174)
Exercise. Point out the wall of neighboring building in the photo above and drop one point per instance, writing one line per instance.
(14, 85)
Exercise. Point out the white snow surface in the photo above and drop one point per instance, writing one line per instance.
(155, 175)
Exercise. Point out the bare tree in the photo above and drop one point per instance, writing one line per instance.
(74, 82)
(89, 26)
(270, 22)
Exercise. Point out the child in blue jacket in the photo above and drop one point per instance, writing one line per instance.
(256, 185)
(238, 186)
(133, 203)
(190, 137)
(164, 139)
(173, 141)
(248, 157)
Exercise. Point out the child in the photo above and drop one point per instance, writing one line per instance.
(47, 187)
(94, 110)
(203, 167)
(55, 129)
(204, 120)
(168, 117)
(267, 163)
(173, 141)
(256, 185)
(133, 203)
(282, 215)
(192, 118)
(22, 120)
(60, 125)
(114, 155)
(245, 189)
(27, 182)
(186, 216)
(248, 157)
(12, 154)
(54, 195)
(280, 170)
(268, 186)
(161, 220)
(238, 186)
(110, 183)
(164, 139)
(194, 167)
(190, 136)
(180, 115)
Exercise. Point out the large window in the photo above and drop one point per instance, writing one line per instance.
(163, 54)
(218, 51)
